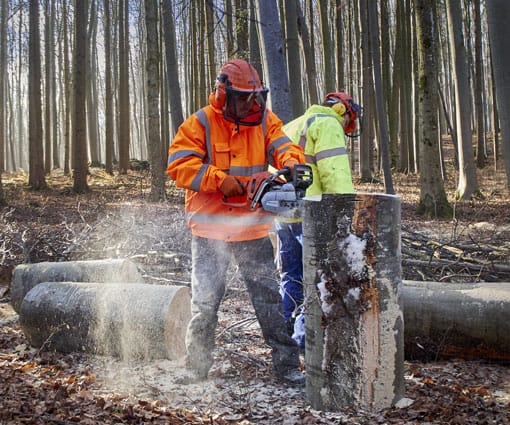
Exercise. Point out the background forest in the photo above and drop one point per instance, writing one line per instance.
(100, 82)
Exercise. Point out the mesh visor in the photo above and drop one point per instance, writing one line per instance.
(245, 108)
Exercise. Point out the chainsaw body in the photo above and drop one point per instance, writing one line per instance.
(280, 196)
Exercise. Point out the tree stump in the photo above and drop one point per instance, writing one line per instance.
(457, 319)
(26, 276)
(135, 321)
(353, 315)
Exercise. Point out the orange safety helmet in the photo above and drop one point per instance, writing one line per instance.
(342, 103)
(241, 93)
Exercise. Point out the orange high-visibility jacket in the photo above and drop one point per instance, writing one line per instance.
(205, 150)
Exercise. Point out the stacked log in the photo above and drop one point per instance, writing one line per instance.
(26, 276)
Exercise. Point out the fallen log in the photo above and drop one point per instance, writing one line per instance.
(26, 276)
(135, 321)
(456, 319)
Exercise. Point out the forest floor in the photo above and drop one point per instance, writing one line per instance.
(115, 220)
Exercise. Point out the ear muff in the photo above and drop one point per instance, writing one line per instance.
(221, 89)
(339, 108)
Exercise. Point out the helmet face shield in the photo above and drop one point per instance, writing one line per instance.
(245, 107)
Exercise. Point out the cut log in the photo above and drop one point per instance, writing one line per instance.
(457, 319)
(135, 321)
(353, 316)
(26, 276)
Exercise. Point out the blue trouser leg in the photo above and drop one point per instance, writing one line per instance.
(290, 251)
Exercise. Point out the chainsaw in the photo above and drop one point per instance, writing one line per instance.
(281, 192)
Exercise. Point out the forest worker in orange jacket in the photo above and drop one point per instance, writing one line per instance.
(213, 155)
(321, 132)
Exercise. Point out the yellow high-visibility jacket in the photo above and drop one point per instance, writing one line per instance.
(320, 133)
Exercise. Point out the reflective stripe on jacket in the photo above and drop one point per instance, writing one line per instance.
(205, 150)
(320, 133)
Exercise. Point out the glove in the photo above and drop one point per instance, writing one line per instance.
(231, 187)
(290, 163)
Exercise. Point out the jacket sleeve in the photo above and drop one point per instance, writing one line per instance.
(279, 146)
(332, 160)
(187, 159)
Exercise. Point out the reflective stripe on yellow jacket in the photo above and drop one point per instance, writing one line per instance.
(205, 150)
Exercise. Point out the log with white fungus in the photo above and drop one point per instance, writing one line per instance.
(353, 313)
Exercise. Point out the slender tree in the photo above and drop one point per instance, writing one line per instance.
(4, 10)
(124, 135)
(328, 50)
(293, 56)
(433, 201)
(498, 12)
(467, 184)
(309, 57)
(172, 68)
(153, 93)
(379, 96)
(35, 130)
(67, 90)
(481, 151)
(274, 59)
(108, 107)
(79, 120)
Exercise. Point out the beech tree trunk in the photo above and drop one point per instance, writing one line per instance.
(135, 321)
(353, 314)
(457, 319)
(26, 276)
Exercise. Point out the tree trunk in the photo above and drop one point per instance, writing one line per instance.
(293, 57)
(79, 137)
(309, 57)
(467, 184)
(123, 64)
(384, 141)
(328, 50)
(108, 95)
(433, 200)
(26, 276)
(353, 317)
(274, 58)
(158, 177)
(174, 89)
(136, 321)
(499, 32)
(461, 319)
(4, 10)
(36, 152)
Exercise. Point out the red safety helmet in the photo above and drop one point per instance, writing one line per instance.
(345, 104)
(241, 93)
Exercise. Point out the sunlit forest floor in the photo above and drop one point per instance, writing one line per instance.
(115, 220)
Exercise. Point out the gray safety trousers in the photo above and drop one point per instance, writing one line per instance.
(254, 258)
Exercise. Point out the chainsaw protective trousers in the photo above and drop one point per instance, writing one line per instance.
(254, 258)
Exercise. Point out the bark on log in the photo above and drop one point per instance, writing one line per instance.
(457, 319)
(135, 321)
(26, 276)
(353, 316)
